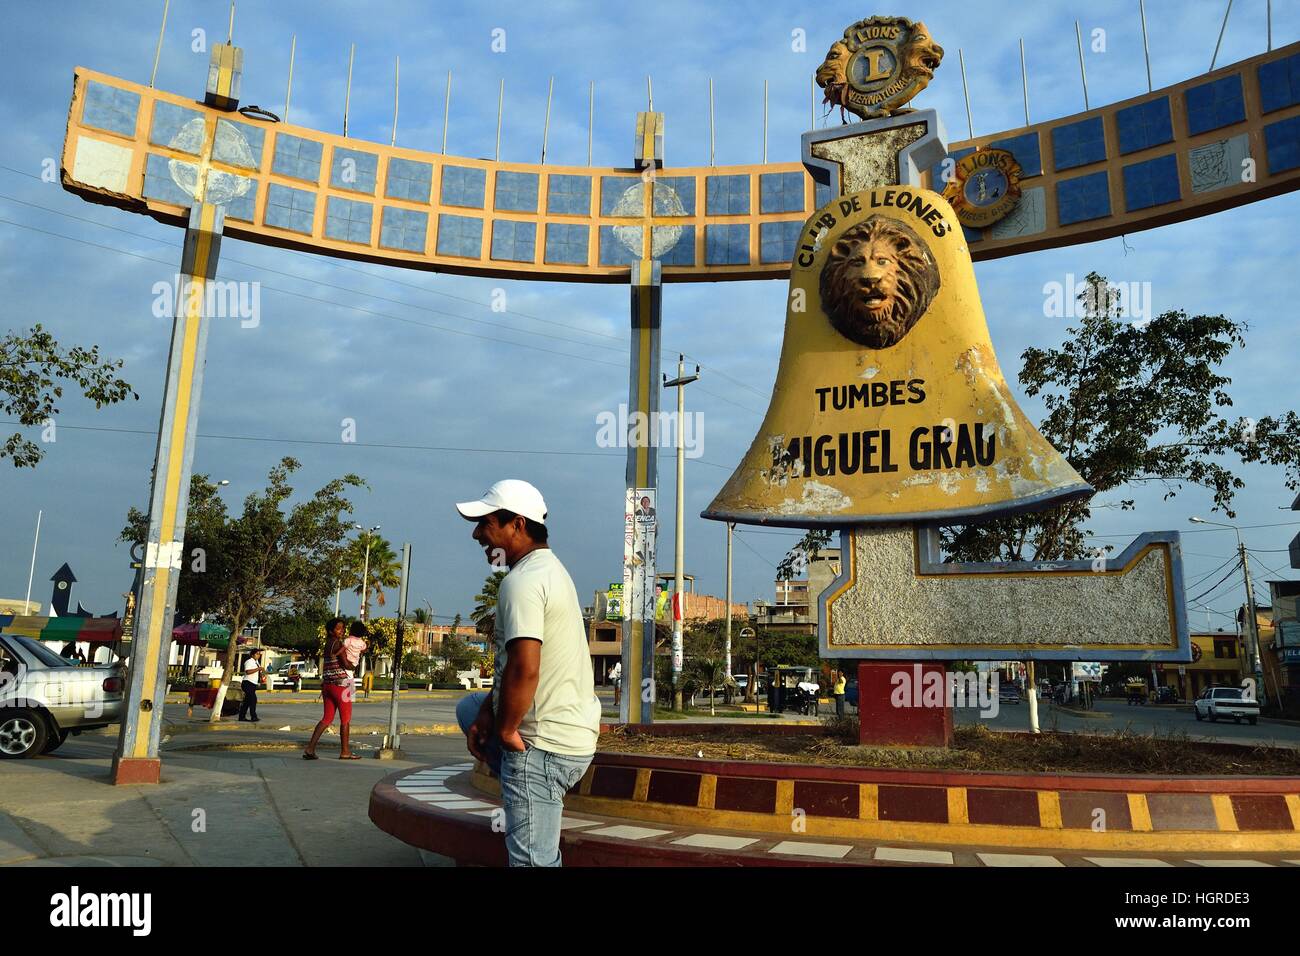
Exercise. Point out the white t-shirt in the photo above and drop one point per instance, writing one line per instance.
(537, 600)
(251, 667)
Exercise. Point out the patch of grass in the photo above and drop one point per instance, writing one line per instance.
(974, 749)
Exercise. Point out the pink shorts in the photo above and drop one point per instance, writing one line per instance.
(337, 696)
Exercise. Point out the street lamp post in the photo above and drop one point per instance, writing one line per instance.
(679, 599)
(1253, 631)
(365, 571)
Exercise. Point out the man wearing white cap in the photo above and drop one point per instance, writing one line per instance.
(538, 727)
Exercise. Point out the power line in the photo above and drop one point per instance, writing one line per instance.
(390, 445)
(741, 538)
(1230, 573)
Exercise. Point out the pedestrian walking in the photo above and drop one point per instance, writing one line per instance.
(537, 729)
(841, 682)
(254, 674)
(337, 683)
(616, 675)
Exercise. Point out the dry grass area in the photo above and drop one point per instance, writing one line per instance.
(973, 749)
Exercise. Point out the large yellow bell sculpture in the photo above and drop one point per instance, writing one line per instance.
(889, 405)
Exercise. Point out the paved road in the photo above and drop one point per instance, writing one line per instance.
(1118, 715)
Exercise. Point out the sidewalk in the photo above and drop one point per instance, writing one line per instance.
(258, 807)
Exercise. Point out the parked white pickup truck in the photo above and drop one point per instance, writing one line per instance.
(1226, 702)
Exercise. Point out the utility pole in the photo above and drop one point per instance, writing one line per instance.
(365, 570)
(679, 598)
(392, 741)
(1251, 629)
(731, 526)
(31, 573)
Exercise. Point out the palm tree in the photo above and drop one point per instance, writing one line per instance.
(422, 616)
(711, 672)
(385, 570)
(484, 614)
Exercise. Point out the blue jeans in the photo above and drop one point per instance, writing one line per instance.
(533, 784)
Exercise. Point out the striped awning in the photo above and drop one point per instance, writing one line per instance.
(96, 630)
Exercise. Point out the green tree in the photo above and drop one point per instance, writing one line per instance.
(34, 370)
(711, 674)
(278, 561)
(204, 577)
(484, 614)
(383, 569)
(422, 616)
(1131, 404)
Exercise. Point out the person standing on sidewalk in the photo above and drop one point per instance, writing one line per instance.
(253, 675)
(537, 730)
(336, 688)
(841, 683)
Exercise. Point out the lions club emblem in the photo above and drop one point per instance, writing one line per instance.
(878, 66)
(984, 187)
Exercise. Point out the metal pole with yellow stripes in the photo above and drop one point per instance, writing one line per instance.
(640, 533)
(136, 759)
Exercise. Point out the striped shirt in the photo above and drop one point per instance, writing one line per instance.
(335, 672)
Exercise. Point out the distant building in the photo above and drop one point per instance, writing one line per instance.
(1218, 657)
(795, 607)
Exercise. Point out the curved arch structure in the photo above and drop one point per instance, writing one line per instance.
(1222, 139)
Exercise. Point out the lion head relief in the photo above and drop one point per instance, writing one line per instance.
(877, 282)
(921, 55)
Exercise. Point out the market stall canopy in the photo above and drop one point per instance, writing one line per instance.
(95, 630)
(213, 635)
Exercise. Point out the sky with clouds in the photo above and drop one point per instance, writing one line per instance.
(390, 348)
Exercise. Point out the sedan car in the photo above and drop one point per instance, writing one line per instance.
(45, 697)
(1008, 694)
(1226, 702)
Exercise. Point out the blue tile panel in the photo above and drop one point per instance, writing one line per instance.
(460, 235)
(568, 195)
(297, 157)
(728, 195)
(516, 192)
(1215, 104)
(238, 144)
(514, 241)
(612, 190)
(1144, 125)
(683, 252)
(1027, 151)
(111, 109)
(674, 196)
(348, 220)
(776, 240)
(1082, 198)
(937, 180)
(409, 179)
(1282, 145)
(354, 170)
(158, 182)
(168, 120)
(566, 243)
(821, 194)
(241, 207)
(726, 245)
(1078, 144)
(1279, 83)
(403, 229)
(1152, 182)
(613, 251)
(462, 186)
(289, 208)
(780, 192)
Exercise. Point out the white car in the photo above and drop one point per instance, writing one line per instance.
(1216, 702)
